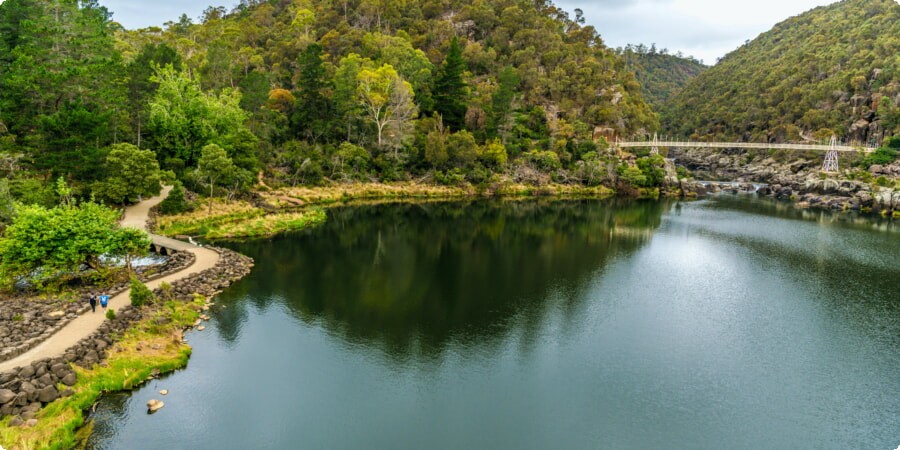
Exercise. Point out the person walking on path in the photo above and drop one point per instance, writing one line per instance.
(104, 301)
(93, 302)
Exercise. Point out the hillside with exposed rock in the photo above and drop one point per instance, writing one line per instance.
(832, 70)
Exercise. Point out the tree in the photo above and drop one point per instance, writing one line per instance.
(175, 202)
(183, 118)
(139, 86)
(450, 93)
(7, 205)
(131, 173)
(387, 101)
(494, 154)
(501, 101)
(312, 112)
(214, 166)
(345, 100)
(139, 293)
(60, 240)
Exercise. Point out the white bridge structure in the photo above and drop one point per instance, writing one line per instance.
(831, 156)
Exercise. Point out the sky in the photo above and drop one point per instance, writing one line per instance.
(705, 29)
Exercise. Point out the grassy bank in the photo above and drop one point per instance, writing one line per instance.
(301, 207)
(146, 347)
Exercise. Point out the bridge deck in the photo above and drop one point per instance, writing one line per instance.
(813, 147)
(171, 244)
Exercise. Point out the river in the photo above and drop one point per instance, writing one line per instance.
(728, 322)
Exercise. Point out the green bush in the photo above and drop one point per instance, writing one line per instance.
(175, 202)
(140, 293)
(111, 314)
(882, 156)
(452, 177)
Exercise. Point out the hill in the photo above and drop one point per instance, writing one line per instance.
(307, 90)
(834, 69)
(661, 74)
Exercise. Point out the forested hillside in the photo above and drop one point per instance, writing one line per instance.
(661, 74)
(834, 69)
(303, 91)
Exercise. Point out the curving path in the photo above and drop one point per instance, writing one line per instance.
(135, 216)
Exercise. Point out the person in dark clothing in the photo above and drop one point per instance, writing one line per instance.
(93, 302)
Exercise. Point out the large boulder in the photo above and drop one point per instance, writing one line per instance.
(48, 394)
(6, 396)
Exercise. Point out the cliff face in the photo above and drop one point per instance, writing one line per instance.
(834, 69)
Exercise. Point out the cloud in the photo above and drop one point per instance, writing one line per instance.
(706, 29)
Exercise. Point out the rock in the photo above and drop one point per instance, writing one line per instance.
(164, 392)
(48, 394)
(60, 369)
(154, 405)
(57, 314)
(6, 396)
(27, 387)
(201, 328)
(26, 373)
(16, 422)
(162, 320)
(69, 379)
(30, 423)
(67, 393)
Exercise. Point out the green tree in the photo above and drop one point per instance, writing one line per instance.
(494, 154)
(175, 202)
(183, 118)
(139, 294)
(214, 167)
(462, 148)
(131, 173)
(7, 205)
(387, 101)
(313, 108)
(60, 240)
(501, 101)
(450, 92)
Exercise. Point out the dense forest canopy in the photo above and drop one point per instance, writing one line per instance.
(832, 70)
(304, 90)
(661, 74)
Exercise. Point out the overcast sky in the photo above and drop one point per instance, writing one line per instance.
(706, 29)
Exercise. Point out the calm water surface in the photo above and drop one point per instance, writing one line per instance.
(722, 323)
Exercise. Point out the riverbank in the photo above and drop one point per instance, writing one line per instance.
(136, 344)
(798, 178)
(292, 209)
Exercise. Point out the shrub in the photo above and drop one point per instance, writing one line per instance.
(140, 293)
(175, 202)
(882, 156)
(111, 314)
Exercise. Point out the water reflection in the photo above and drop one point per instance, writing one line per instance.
(413, 277)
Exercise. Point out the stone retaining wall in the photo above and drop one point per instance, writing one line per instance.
(25, 390)
(25, 323)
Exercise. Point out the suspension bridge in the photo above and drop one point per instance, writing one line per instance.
(832, 150)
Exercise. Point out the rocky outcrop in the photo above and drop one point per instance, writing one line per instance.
(27, 321)
(798, 179)
(25, 390)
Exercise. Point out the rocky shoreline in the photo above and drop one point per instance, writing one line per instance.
(26, 322)
(25, 390)
(799, 180)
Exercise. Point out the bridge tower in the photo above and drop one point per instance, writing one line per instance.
(655, 149)
(831, 158)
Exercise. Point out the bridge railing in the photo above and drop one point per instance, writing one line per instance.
(751, 145)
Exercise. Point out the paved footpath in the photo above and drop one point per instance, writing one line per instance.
(82, 327)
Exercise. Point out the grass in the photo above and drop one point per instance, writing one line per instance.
(301, 207)
(161, 349)
(269, 225)
(199, 222)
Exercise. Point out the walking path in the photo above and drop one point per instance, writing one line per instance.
(82, 327)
